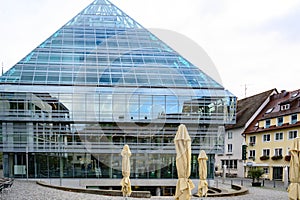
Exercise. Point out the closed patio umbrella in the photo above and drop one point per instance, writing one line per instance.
(125, 183)
(203, 185)
(294, 187)
(183, 164)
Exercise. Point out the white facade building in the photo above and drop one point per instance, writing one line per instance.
(247, 109)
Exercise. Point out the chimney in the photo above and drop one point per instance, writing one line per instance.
(284, 93)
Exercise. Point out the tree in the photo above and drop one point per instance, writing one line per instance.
(255, 174)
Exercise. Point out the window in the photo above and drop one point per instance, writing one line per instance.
(278, 152)
(229, 135)
(252, 140)
(294, 119)
(292, 134)
(278, 136)
(229, 148)
(285, 107)
(267, 123)
(266, 170)
(230, 164)
(252, 154)
(279, 121)
(266, 138)
(266, 152)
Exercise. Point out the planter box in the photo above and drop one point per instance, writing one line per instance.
(277, 157)
(264, 158)
(256, 184)
(287, 158)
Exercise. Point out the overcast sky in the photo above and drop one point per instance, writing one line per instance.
(251, 42)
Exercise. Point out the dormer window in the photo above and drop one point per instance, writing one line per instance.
(285, 107)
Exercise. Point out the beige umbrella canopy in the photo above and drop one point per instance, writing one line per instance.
(183, 164)
(125, 183)
(294, 187)
(203, 185)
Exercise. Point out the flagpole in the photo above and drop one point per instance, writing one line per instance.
(2, 69)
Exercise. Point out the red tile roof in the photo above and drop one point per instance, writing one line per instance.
(247, 107)
(274, 107)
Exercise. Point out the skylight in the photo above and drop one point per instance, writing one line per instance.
(269, 110)
(295, 94)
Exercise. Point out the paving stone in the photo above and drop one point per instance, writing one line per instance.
(29, 190)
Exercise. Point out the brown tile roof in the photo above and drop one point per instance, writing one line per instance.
(274, 108)
(248, 106)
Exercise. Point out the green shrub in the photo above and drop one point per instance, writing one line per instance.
(255, 173)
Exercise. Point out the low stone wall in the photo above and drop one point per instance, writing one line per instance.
(138, 194)
(237, 190)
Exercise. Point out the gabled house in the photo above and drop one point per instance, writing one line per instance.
(247, 109)
(270, 135)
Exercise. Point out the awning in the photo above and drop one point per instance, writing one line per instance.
(280, 165)
(253, 164)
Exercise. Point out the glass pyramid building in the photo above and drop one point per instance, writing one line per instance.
(102, 46)
(99, 82)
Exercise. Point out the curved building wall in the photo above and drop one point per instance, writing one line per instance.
(82, 130)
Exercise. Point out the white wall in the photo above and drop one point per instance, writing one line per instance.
(236, 154)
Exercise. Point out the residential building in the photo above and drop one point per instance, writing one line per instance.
(99, 82)
(247, 109)
(270, 135)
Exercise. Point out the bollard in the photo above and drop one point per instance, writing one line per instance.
(224, 173)
(157, 192)
(217, 184)
(242, 182)
(231, 181)
(274, 183)
(263, 183)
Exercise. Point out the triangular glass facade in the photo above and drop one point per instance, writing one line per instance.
(102, 46)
